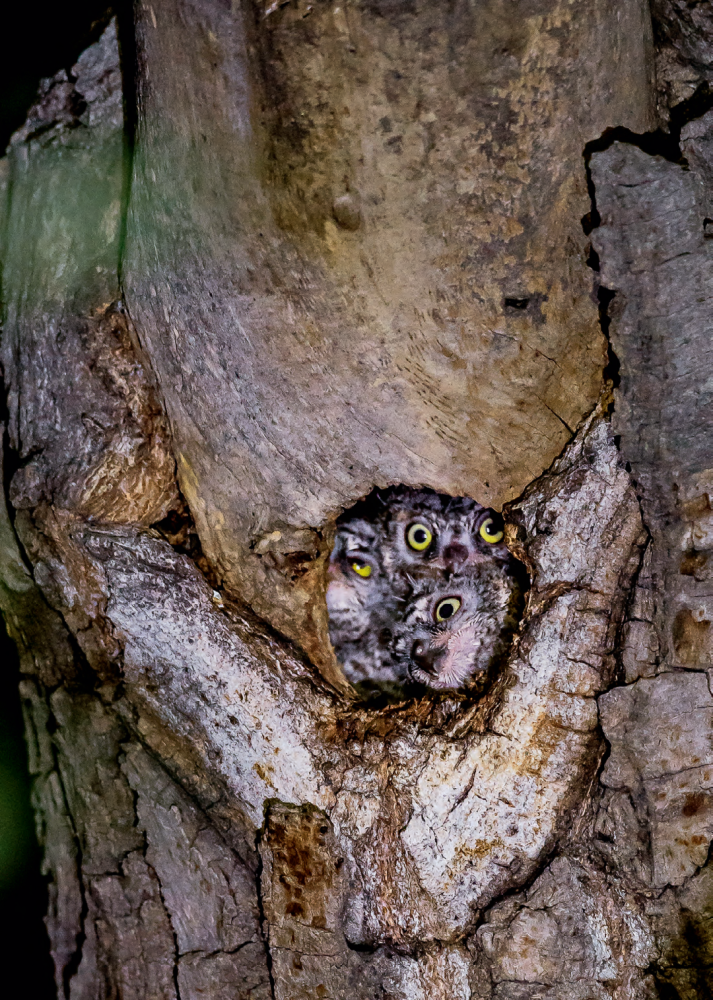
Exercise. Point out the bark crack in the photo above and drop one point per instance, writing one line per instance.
(555, 414)
(72, 965)
(263, 921)
(654, 143)
(176, 952)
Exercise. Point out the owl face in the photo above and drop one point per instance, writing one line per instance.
(358, 594)
(363, 605)
(427, 531)
(453, 625)
(420, 589)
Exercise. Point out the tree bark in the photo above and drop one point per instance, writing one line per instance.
(296, 251)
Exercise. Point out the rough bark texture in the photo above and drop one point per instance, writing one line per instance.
(356, 229)
(351, 253)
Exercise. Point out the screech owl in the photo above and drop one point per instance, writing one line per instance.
(363, 603)
(398, 556)
(453, 625)
(422, 528)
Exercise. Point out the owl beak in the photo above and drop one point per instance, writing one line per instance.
(427, 658)
(449, 659)
(455, 555)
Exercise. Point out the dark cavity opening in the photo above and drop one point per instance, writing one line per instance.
(612, 369)
(423, 594)
(36, 41)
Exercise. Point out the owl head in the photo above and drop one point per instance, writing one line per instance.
(363, 604)
(453, 625)
(424, 530)
(360, 597)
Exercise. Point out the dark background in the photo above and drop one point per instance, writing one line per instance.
(24, 948)
(36, 40)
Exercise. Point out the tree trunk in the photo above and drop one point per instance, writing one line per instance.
(322, 247)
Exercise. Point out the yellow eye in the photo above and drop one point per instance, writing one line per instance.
(489, 532)
(447, 608)
(419, 537)
(362, 569)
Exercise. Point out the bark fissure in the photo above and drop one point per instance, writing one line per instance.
(70, 969)
(176, 952)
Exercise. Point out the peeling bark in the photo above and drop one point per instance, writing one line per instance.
(352, 253)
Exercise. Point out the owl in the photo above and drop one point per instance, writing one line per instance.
(424, 530)
(452, 626)
(421, 589)
(363, 603)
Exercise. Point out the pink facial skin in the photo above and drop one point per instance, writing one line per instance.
(443, 653)
(451, 658)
